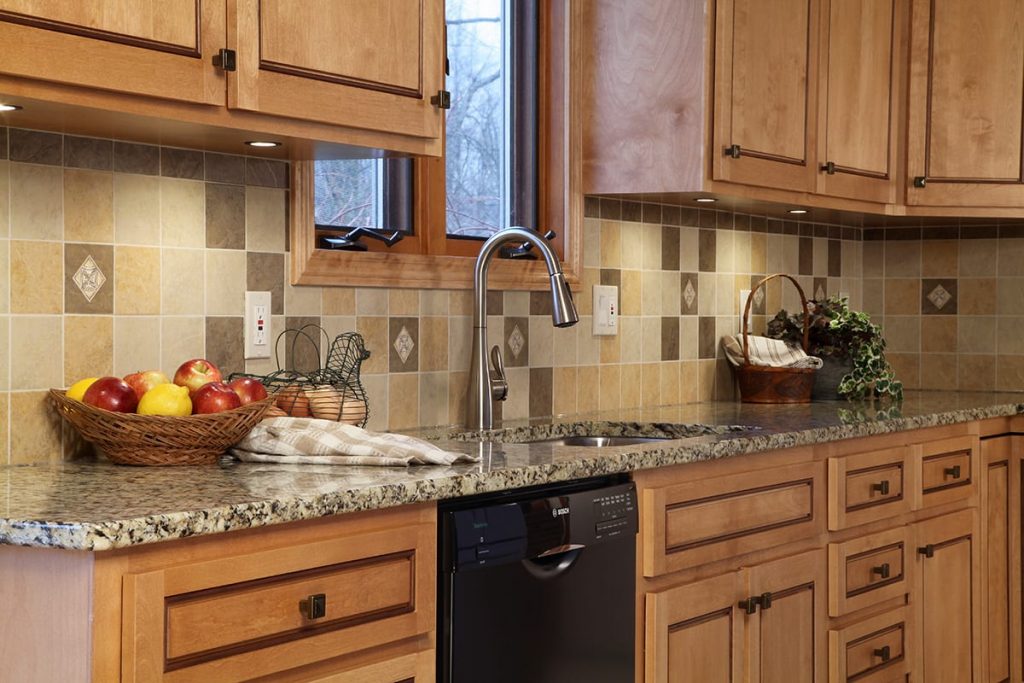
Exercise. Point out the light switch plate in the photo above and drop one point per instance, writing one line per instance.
(257, 325)
(606, 310)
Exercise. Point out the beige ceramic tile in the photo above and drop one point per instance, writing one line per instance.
(376, 387)
(137, 285)
(433, 399)
(88, 347)
(433, 342)
(5, 203)
(725, 248)
(976, 373)
(631, 331)
(37, 277)
(460, 340)
(907, 367)
(1009, 373)
(940, 258)
(591, 243)
(902, 296)
(375, 335)
(5, 275)
(873, 296)
(564, 340)
(650, 247)
(610, 348)
(652, 339)
(630, 290)
(874, 258)
(938, 371)
(36, 344)
(651, 282)
(630, 395)
(5, 366)
(182, 287)
(371, 301)
(976, 334)
(611, 251)
(541, 340)
(669, 381)
(563, 397)
(137, 345)
(938, 334)
(136, 209)
(588, 388)
(688, 337)
(88, 205)
(758, 254)
(338, 301)
(403, 302)
(433, 302)
(36, 433)
(1011, 256)
(978, 258)
(650, 383)
(460, 301)
(671, 294)
(181, 339)
(36, 206)
(726, 295)
(265, 217)
(610, 385)
(5, 406)
(741, 252)
(978, 296)
(902, 259)
(1010, 336)
(517, 405)
(403, 400)
(688, 382)
(633, 246)
(588, 347)
(902, 333)
(225, 275)
(585, 300)
(706, 380)
(182, 213)
(1010, 296)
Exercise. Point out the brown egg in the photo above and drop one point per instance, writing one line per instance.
(324, 402)
(293, 401)
(353, 411)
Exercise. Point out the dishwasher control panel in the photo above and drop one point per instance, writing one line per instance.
(615, 513)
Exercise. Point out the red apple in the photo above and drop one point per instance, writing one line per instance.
(142, 382)
(195, 373)
(213, 397)
(249, 389)
(112, 393)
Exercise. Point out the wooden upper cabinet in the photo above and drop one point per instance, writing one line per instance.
(966, 93)
(159, 48)
(765, 92)
(371, 65)
(859, 76)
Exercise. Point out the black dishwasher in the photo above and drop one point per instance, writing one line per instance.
(538, 585)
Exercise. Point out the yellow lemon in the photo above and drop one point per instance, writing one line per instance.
(78, 389)
(166, 399)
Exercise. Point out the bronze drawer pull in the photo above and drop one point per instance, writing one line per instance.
(882, 570)
(315, 606)
(882, 487)
(883, 653)
(927, 550)
(953, 471)
(733, 151)
(829, 167)
(750, 605)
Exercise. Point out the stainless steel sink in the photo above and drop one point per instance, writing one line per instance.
(601, 441)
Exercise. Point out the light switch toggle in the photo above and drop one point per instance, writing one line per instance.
(257, 325)
(606, 310)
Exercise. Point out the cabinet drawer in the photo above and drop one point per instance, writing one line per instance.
(871, 651)
(689, 524)
(867, 570)
(866, 487)
(946, 470)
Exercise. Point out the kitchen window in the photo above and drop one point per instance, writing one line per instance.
(504, 160)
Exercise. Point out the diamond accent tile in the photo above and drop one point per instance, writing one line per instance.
(819, 293)
(516, 342)
(89, 278)
(758, 296)
(689, 293)
(939, 296)
(404, 344)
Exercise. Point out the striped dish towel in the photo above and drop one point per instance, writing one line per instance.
(773, 353)
(325, 442)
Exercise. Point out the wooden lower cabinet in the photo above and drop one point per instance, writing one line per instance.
(763, 623)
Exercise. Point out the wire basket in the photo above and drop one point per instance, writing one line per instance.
(328, 392)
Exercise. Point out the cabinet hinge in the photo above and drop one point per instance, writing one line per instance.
(225, 59)
(442, 100)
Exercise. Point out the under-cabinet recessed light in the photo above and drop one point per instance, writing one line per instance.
(705, 200)
(797, 211)
(262, 143)
(9, 107)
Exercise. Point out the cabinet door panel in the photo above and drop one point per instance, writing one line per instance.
(763, 95)
(144, 47)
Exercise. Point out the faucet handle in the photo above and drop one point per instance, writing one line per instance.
(499, 385)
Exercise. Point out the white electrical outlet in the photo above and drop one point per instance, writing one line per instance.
(257, 325)
(606, 310)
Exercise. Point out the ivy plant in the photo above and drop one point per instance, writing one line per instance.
(838, 332)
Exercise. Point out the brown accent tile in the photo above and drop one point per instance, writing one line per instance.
(89, 347)
(541, 392)
(672, 215)
(1009, 373)
(806, 262)
(433, 339)
(611, 209)
(903, 234)
(224, 343)
(939, 334)
(406, 302)
(523, 359)
(940, 258)
(835, 258)
(975, 334)
(35, 277)
(265, 273)
(36, 344)
(541, 304)
(611, 277)
(35, 147)
(224, 168)
(591, 207)
(301, 351)
(333, 300)
(651, 213)
(707, 251)
(137, 285)
(902, 296)
(93, 153)
(37, 437)
(495, 302)
(707, 344)
(940, 232)
(130, 157)
(75, 301)
(403, 401)
(181, 163)
(88, 206)
(669, 248)
(3, 155)
(266, 172)
(632, 211)
(670, 338)
(225, 216)
(395, 327)
(976, 373)
(930, 286)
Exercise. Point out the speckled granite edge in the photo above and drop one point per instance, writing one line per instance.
(122, 533)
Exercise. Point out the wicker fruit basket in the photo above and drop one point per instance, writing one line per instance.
(763, 384)
(129, 439)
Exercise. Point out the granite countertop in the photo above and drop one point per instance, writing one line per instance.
(92, 505)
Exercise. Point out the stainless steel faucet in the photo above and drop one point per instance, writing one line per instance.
(487, 385)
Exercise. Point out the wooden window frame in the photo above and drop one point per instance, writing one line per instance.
(428, 259)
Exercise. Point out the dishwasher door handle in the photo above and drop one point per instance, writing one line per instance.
(552, 566)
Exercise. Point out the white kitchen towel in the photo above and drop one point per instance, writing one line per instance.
(325, 442)
(773, 353)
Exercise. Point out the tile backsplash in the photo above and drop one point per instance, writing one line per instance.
(118, 256)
